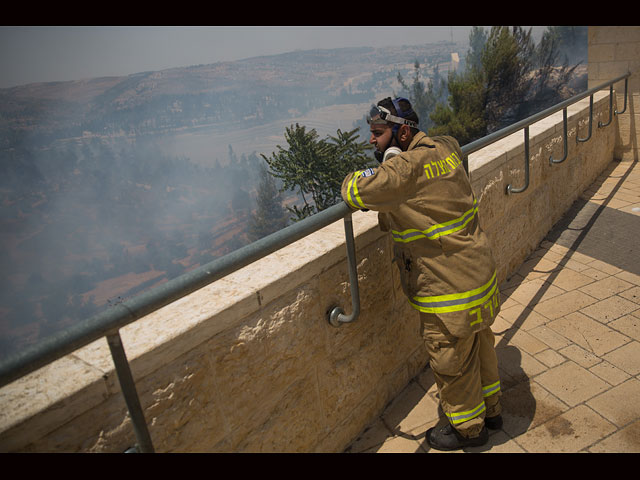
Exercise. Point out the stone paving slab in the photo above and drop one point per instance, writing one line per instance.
(567, 338)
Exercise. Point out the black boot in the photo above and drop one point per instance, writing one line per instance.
(494, 423)
(448, 438)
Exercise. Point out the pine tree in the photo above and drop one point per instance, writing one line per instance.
(463, 118)
(424, 96)
(507, 63)
(507, 79)
(269, 216)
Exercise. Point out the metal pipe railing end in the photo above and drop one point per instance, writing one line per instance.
(336, 314)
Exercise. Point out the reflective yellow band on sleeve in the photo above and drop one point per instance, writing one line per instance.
(353, 198)
(456, 302)
(439, 230)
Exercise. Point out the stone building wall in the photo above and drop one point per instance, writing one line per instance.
(614, 51)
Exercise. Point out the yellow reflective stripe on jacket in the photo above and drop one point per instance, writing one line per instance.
(459, 417)
(456, 302)
(353, 198)
(491, 389)
(438, 230)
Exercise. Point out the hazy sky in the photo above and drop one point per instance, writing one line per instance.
(43, 54)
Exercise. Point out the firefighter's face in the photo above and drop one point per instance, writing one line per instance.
(381, 136)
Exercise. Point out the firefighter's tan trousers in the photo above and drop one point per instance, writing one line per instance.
(466, 373)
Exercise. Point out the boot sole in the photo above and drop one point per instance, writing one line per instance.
(462, 442)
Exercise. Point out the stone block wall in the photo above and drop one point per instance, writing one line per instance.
(614, 51)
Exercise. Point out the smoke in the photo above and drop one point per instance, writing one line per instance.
(89, 222)
(111, 186)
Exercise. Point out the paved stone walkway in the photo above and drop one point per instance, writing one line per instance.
(567, 338)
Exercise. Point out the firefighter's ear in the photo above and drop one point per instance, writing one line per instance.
(404, 134)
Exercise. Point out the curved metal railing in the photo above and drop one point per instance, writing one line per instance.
(108, 323)
(525, 123)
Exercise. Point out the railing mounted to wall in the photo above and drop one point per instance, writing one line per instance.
(524, 124)
(585, 139)
(108, 323)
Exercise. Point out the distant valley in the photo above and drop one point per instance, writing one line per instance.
(227, 96)
(109, 186)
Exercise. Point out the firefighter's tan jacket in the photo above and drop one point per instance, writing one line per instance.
(425, 200)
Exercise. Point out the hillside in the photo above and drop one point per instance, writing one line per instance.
(230, 94)
(94, 208)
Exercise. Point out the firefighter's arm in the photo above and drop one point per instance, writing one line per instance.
(380, 189)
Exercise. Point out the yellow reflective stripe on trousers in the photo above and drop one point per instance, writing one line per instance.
(437, 231)
(456, 302)
(353, 198)
(459, 417)
(491, 389)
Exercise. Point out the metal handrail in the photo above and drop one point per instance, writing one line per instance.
(109, 322)
(500, 134)
(525, 123)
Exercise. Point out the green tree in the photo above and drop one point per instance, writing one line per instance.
(506, 63)
(315, 168)
(344, 154)
(424, 96)
(507, 78)
(570, 43)
(477, 41)
(463, 117)
(270, 216)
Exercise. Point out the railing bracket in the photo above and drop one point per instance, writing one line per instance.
(600, 124)
(564, 139)
(129, 392)
(510, 188)
(578, 139)
(336, 314)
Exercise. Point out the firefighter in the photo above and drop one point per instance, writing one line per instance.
(424, 198)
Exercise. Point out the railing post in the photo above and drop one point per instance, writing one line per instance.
(510, 188)
(564, 139)
(626, 84)
(590, 122)
(336, 314)
(600, 124)
(130, 394)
